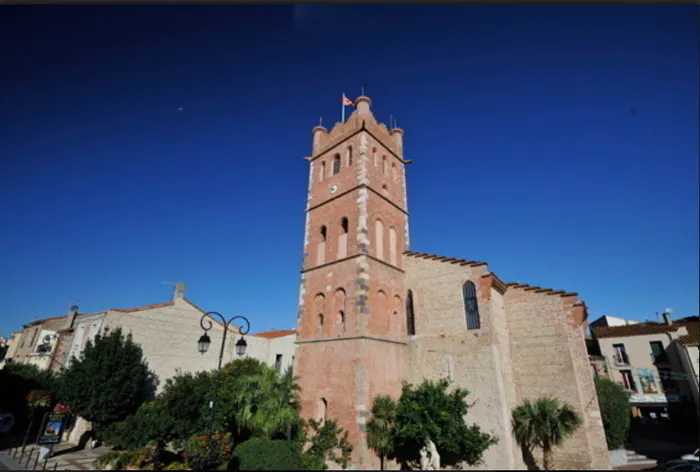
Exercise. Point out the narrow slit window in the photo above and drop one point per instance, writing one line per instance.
(323, 170)
(349, 156)
(410, 315)
(336, 164)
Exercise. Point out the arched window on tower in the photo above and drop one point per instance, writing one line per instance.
(343, 239)
(349, 156)
(394, 172)
(321, 410)
(339, 307)
(471, 306)
(319, 309)
(374, 157)
(410, 315)
(385, 190)
(379, 238)
(384, 165)
(395, 318)
(336, 164)
(323, 171)
(392, 246)
(321, 250)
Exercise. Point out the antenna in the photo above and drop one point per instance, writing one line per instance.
(391, 121)
(363, 89)
(320, 121)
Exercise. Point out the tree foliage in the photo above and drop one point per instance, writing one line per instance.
(614, 405)
(255, 401)
(109, 381)
(544, 423)
(380, 427)
(328, 443)
(429, 411)
(266, 454)
(17, 381)
(180, 411)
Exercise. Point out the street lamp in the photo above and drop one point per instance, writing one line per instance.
(203, 346)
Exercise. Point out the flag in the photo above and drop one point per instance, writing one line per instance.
(347, 101)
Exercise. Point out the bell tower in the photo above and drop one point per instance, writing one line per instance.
(351, 341)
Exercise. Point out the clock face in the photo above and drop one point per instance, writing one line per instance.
(333, 188)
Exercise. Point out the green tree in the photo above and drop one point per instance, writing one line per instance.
(544, 423)
(109, 381)
(180, 411)
(380, 427)
(328, 443)
(17, 381)
(429, 411)
(614, 403)
(255, 401)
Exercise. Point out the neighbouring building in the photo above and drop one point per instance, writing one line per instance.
(275, 348)
(657, 362)
(374, 314)
(12, 346)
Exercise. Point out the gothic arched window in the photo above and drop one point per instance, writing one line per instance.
(410, 315)
(471, 306)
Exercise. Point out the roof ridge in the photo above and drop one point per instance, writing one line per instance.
(143, 307)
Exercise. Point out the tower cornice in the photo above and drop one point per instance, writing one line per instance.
(353, 134)
(349, 258)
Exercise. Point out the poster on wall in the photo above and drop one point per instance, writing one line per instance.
(52, 428)
(647, 381)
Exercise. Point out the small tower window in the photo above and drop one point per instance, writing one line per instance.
(410, 315)
(321, 254)
(319, 325)
(471, 306)
(384, 165)
(343, 239)
(349, 156)
(374, 156)
(336, 164)
(341, 322)
(385, 190)
(394, 174)
(323, 170)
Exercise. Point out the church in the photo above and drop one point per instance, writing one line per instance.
(373, 313)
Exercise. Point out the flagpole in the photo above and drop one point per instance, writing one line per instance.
(342, 108)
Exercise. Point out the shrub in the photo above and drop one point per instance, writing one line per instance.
(266, 454)
(202, 453)
(614, 405)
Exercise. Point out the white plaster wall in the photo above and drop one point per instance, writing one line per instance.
(285, 345)
(168, 336)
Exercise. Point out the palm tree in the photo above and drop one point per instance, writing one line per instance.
(544, 423)
(381, 426)
(267, 404)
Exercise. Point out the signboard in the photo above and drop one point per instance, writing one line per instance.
(647, 381)
(52, 428)
(655, 398)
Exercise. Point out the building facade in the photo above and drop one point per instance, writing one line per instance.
(275, 348)
(655, 361)
(373, 314)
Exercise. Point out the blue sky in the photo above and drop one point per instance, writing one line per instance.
(557, 142)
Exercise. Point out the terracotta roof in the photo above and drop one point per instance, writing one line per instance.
(451, 260)
(464, 262)
(278, 333)
(693, 336)
(637, 329)
(43, 320)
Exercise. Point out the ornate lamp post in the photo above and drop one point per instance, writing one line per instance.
(203, 346)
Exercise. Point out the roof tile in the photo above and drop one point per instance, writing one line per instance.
(278, 333)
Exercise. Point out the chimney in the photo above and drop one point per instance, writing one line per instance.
(179, 292)
(667, 318)
(72, 314)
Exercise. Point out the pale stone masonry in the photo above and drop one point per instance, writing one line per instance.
(372, 314)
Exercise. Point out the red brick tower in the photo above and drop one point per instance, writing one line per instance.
(351, 323)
